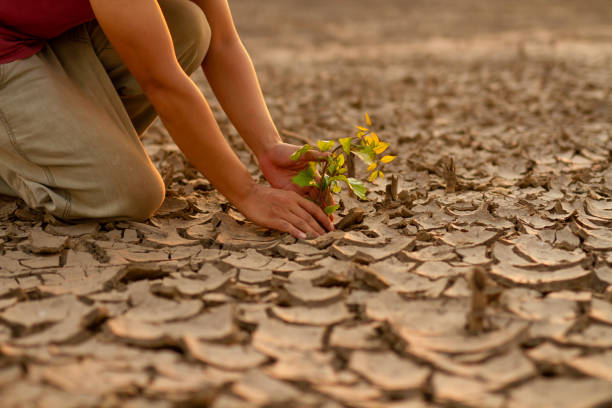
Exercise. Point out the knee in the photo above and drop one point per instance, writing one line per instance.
(135, 195)
(142, 197)
(190, 32)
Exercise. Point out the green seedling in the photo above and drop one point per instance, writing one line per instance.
(329, 175)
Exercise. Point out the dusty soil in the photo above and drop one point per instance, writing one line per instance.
(486, 281)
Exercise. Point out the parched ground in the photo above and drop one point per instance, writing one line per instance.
(484, 280)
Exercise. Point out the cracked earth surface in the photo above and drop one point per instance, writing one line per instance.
(483, 278)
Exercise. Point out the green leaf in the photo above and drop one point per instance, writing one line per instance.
(325, 145)
(336, 164)
(346, 144)
(306, 177)
(358, 188)
(340, 160)
(355, 185)
(331, 169)
(366, 154)
(330, 209)
(300, 152)
(340, 178)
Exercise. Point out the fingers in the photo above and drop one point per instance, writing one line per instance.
(311, 192)
(316, 212)
(285, 226)
(287, 212)
(314, 155)
(301, 226)
(306, 223)
(301, 218)
(329, 200)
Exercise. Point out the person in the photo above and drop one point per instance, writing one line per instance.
(81, 81)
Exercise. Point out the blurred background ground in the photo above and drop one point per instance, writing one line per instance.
(525, 60)
(348, 22)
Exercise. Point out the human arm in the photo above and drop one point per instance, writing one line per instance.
(230, 73)
(138, 32)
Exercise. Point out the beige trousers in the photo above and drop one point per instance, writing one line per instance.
(70, 120)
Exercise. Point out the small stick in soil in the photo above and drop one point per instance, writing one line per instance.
(350, 165)
(476, 317)
(448, 171)
(391, 189)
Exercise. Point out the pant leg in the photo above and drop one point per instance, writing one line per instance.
(191, 37)
(67, 145)
(68, 142)
(5, 189)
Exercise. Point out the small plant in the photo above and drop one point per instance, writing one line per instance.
(329, 175)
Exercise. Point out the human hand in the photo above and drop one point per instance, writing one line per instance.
(278, 168)
(286, 211)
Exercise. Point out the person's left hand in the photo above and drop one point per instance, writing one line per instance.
(278, 168)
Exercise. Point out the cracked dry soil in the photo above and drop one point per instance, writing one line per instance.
(483, 280)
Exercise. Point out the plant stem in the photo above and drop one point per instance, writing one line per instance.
(325, 168)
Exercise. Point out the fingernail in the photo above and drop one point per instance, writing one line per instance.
(301, 235)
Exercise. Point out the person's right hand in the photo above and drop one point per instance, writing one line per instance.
(285, 211)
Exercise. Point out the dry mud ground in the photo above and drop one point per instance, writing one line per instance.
(485, 282)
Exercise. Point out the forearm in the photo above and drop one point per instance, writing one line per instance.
(192, 126)
(231, 75)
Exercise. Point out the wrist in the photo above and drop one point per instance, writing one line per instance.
(242, 194)
(266, 144)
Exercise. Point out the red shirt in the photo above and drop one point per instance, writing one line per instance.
(25, 25)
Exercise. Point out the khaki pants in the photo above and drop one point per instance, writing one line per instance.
(70, 120)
